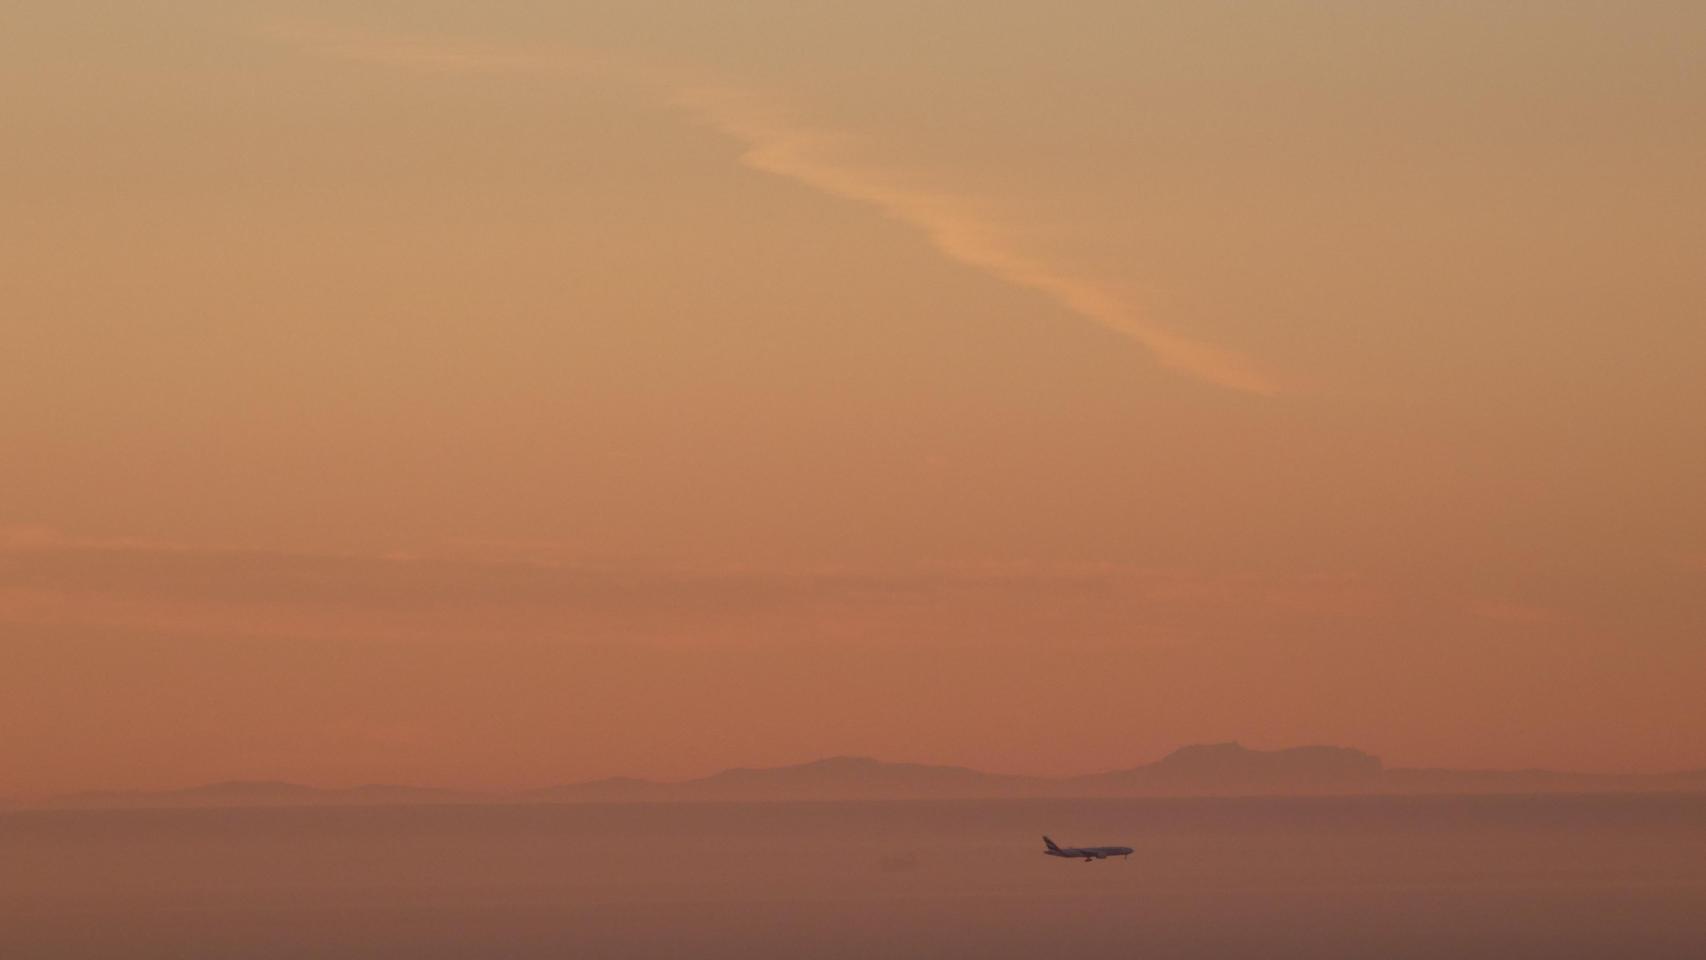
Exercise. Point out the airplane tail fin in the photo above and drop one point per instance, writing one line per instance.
(1050, 844)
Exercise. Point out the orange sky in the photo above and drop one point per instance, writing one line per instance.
(525, 393)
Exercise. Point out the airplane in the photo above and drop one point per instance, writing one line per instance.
(1087, 853)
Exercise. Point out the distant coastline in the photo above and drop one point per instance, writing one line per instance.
(1222, 769)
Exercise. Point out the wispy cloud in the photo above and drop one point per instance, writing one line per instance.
(54, 580)
(779, 142)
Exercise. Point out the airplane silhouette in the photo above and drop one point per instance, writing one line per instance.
(1087, 854)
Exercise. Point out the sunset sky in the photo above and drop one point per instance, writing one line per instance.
(502, 394)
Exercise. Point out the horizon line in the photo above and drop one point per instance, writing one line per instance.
(1379, 767)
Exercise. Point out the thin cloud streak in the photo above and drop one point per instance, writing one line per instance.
(71, 583)
(778, 144)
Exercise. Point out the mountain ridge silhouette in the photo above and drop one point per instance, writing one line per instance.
(1217, 769)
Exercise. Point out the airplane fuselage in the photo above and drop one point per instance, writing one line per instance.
(1085, 854)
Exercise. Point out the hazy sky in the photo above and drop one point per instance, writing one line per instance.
(518, 392)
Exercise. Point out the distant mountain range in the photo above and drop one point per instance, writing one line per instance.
(1220, 769)
(266, 793)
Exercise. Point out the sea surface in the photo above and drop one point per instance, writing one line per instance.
(1556, 876)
